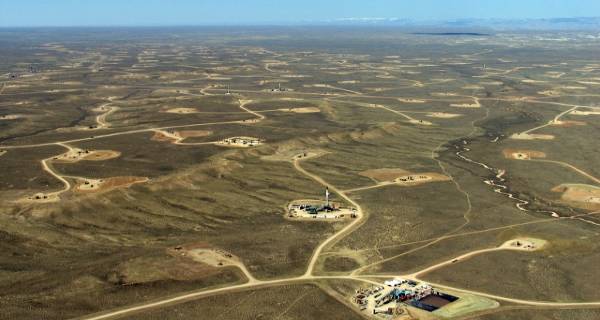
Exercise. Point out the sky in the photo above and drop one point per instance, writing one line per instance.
(25, 13)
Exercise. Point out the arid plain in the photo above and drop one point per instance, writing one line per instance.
(299, 174)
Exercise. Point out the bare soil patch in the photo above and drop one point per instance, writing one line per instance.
(443, 115)
(161, 136)
(301, 110)
(178, 136)
(268, 81)
(103, 185)
(420, 178)
(153, 269)
(181, 110)
(76, 155)
(421, 122)
(532, 81)
(213, 257)
(584, 113)
(290, 152)
(132, 76)
(550, 93)
(411, 100)
(11, 116)
(589, 82)
(296, 76)
(443, 94)
(101, 155)
(473, 87)
(531, 136)
(492, 83)
(170, 91)
(40, 197)
(568, 123)
(384, 174)
(466, 105)
(586, 196)
(554, 74)
(522, 154)
(194, 133)
(525, 244)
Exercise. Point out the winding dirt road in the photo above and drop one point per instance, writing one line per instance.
(102, 120)
(566, 165)
(48, 168)
(309, 274)
(347, 229)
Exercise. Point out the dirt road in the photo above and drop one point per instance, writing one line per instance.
(346, 230)
(555, 120)
(566, 165)
(308, 276)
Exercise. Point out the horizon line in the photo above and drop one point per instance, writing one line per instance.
(345, 22)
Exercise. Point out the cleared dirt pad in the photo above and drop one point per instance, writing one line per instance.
(465, 105)
(40, 198)
(11, 116)
(522, 154)
(389, 176)
(103, 185)
(531, 136)
(132, 76)
(181, 110)
(178, 136)
(443, 115)
(411, 100)
(421, 122)
(584, 113)
(289, 153)
(587, 196)
(77, 155)
(160, 136)
(101, 155)
(142, 270)
(194, 133)
(568, 123)
(420, 178)
(302, 110)
(213, 257)
(473, 87)
(550, 93)
(492, 83)
(532, 81)
(384, 174)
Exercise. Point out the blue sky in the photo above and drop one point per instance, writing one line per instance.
(241, 12)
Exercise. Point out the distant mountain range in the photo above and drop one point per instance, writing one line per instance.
(578, 23)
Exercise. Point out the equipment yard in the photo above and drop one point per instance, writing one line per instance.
(243, 142)
(392, 298)
(316, 209)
